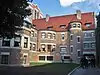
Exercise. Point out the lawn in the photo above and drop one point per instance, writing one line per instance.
(39, 69)
(56, 68)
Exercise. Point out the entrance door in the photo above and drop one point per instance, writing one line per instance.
(4, 59)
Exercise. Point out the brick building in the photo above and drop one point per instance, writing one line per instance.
(51, 39)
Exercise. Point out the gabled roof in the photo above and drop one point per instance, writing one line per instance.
(56, 21)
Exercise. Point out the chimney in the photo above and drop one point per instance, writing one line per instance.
(47, 17)
(78, 14)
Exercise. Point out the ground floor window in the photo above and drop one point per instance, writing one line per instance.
(66, 57)
(49, 58)
(4, 59)
(45, 58)
(42, 58)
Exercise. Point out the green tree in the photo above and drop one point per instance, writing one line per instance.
(12, 13)
(97, 31)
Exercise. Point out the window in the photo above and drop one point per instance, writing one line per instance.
(34, 47)
(49, 35)
(63, 50)
(74, 25)
(79, 26)
(62, 26)
(35, 14)
(78, 39)
(88, 25)
(30, 46)
(49, 58)
(6, 42)
(92, 33)
(63, 35)
(66, 57)
(49, 48)
(16, 41)
(32, 33)
(42, 58)
(93, 45)
(43, 47)
(43, 35)
(54, 36)
(79, 53)
(71, 37)
(50, 27)
(86, 45)
(86, 34)
(25, 42)
(71, 49)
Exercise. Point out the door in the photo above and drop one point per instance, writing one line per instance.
(4, 59)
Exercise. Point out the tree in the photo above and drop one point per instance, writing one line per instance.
(97, 32)
(12, 13)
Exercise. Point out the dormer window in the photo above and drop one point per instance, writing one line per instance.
(50, 27)
(78, 25)
(62, 26)
(74, 25)
(88, 25)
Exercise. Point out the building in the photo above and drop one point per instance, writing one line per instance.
(65, 37)
(35, 12)
(51, 39)
(16, 51)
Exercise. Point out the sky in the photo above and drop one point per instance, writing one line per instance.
(63, 7)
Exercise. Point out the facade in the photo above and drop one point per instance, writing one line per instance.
(52, 39)
(69, 43)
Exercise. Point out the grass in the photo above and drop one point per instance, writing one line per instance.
(39, 69)
(57, 68)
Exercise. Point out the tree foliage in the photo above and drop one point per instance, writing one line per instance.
(12, 13)
(98, 20)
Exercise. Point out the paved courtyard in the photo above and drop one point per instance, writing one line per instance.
(88, 71)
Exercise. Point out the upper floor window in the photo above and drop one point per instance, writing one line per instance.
(78, 25)
(88, 25)
(34, 47)
(63, 49)
(74, 25)
(49, 35)
(54, 36)
(43, 35)
(6, 42)
(62, 26)
(17, 41)
(79, 53)
(93, 45)
(43, 47)
(78, 39)
(25, 42)
(71, 48)
(35, 14)
(71, 37)
(63, 36)
(32, 33)
(92, 33)
(50, 27)
(30, 46)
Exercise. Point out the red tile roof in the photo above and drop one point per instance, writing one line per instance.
(56, 21)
